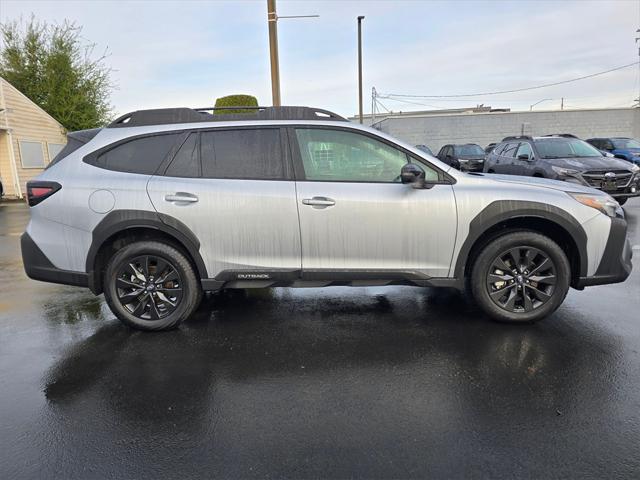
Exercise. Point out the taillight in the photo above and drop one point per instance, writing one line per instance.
(38, 191)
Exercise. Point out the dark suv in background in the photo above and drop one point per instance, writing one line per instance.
(467, 158)
(565, 157)
(621, 147)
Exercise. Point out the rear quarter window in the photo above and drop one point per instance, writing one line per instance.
(140, 155)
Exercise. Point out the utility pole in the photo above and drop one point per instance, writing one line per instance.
(272, 19)
(562, 103)
(360, 18)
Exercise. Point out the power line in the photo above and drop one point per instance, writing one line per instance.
(482, 94)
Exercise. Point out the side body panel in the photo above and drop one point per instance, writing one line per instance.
(378, 226)
(241, 224)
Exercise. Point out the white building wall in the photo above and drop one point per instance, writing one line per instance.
(484, 128)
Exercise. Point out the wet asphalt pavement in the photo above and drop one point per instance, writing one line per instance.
(340, 382)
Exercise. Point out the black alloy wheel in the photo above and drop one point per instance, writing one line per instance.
(149, 287)
(520, 276)
(521, 279)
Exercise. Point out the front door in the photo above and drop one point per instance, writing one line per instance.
(233, 189)
(356, 218)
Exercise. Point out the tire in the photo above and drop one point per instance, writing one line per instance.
(622, 201)
(537, 288)
(153, 304)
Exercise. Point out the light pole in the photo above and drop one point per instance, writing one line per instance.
(543, 100)
(272, 19)
(360, 18)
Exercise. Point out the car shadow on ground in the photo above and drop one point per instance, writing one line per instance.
(252, 337)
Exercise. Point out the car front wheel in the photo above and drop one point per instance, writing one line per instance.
(520, 277)
(151, 285)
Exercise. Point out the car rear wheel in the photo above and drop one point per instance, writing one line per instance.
(151, 286)
(520, 277)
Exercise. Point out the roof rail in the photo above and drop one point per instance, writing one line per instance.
(163, 116)
(517, 137)
(564, 135)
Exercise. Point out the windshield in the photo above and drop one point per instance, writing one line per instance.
(463, 150)
(565, 148)
(625, 143)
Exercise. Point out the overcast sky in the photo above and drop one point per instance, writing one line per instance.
(187, 53)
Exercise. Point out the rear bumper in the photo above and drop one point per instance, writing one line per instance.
(615, 265)
(38, 267)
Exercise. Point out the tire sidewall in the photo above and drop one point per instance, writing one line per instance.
(177, 260)
(520, 239)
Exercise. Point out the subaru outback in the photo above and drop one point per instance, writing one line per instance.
(162, 205)
(565, 157)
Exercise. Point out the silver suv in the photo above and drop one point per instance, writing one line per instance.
(162, 205)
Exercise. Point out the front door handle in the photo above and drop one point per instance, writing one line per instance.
(319, 202)
(181, 197)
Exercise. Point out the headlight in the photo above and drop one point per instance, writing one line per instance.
(603, 203)
(463, 160)
(635, 168)
(564, 172)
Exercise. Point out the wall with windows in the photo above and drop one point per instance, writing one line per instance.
(484, 128)
(29, 139)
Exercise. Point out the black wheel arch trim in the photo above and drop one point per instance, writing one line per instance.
(503, 210)
(121, 220)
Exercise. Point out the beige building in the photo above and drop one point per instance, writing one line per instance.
(29, 139)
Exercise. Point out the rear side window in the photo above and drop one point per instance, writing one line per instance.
(498, 150)
(243, 154)
(186, 163)
(510, 150)
(141, 155)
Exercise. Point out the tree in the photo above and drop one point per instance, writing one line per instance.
(238, 100)
(54, 68)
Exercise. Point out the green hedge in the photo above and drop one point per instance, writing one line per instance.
(236, 101)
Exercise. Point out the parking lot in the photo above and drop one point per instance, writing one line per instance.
(335, 383)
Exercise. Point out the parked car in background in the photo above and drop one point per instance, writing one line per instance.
(489, 148)
(565, 157)
(620, 147)
(162, 205)
(425, 149)
(467, 157)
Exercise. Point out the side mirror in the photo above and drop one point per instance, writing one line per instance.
(523, 156)
(413, 175)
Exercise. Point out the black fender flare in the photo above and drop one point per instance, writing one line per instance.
(121, 220)
(503, 210)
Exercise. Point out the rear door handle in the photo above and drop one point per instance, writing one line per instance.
(181, 197)
(319, 202)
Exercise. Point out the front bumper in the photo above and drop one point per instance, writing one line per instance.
(631, 188)
(38, 267)
(615, 264)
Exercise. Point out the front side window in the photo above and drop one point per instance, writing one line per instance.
(252, 154)
(340, 156)
(524, 149)
(141, 155)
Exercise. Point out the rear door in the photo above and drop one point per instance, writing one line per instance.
(233, 188)
(521, 166)
(357, 219)
(507, 159)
